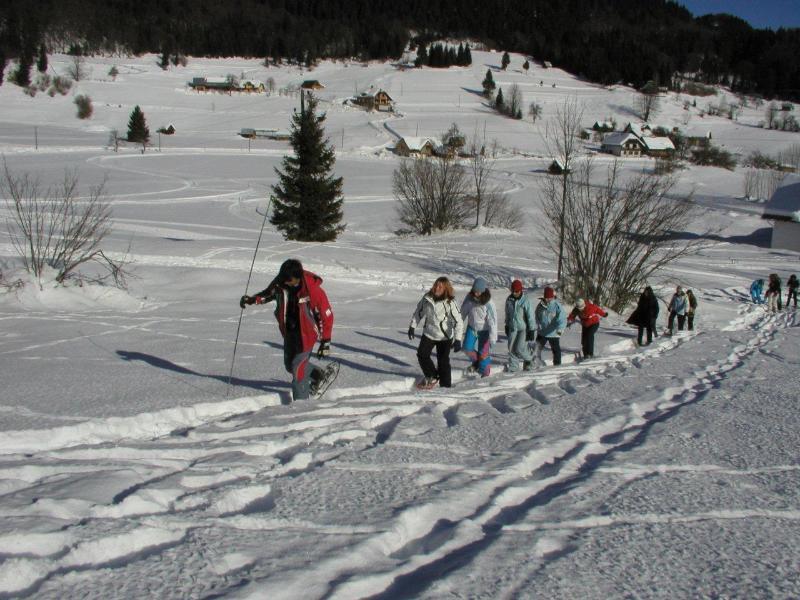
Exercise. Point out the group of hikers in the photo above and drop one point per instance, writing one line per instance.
(772, 296)
(305, 317)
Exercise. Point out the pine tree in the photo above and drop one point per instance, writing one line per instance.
(41, 62)
(506, 60)
(526, 65)
(22, 76)
(3, 61)
(460, 57)
(308, 198)
(467, 56)
(137, 127)
(499, 102)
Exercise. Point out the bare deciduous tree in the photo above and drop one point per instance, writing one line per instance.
(534, 111)
(563, 142)
(77, 68)
(492, 207)
(55, 228)
(647, 101)
(617, 234)
(514, 102)
(761, 183)
(432, 194)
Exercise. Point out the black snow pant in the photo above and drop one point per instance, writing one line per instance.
(587, 339)
(442, 370)
(555, 346)
(792, 294)
(650, 327)
(681, 321)
(689, 321)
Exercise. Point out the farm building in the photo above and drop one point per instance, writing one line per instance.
(226, 84)
(379, 100)
(783, 209)
(415, 146)
(557, 167)
(660, 147)
(312, 84)
(621, 143)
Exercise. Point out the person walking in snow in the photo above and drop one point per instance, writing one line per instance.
(690, 310)
(678, 307)
(551, 320)
(645, 315)
(304, 317)
(443, 328)
(480, 318)
(792, 285)
(773, 294)
(589, 315)
(520, 328)
(756, 289)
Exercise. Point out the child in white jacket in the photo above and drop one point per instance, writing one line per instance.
(480, 318)
(442, 329)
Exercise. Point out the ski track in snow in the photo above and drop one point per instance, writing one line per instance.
(217, 464)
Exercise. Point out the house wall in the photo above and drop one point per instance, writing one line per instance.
(786, 235)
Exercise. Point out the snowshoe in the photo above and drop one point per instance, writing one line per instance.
(328, 377)
(427, 383)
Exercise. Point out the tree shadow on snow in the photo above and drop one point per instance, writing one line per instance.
(275, 386)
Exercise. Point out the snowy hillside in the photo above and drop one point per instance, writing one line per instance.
(130, 468)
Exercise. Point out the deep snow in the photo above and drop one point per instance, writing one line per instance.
(130, 468)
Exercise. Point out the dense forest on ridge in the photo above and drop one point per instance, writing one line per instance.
(606, 41)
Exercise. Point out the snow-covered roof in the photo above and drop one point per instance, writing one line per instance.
(618, 138)
(637, 129)
(658, 143)
(417, 143)
(785, 202)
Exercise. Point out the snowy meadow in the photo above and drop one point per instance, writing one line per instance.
(132, 467)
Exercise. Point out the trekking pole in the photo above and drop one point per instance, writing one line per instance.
(247, 285)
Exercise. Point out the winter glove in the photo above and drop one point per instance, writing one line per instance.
(457, 346)
(246, 300)
(560, 331)
(411, 333)
(530, 336)
(324, 349)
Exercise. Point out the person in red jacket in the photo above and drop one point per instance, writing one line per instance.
(589, 315)
(304, 316)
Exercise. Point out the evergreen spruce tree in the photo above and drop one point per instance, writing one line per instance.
(460, 58)
(488, 84)
(506, 60)
(41, 62)
(308, 198)
(467, 56)
(422, 56)
(137, 127)
(22, 76)
(3, 61)
(499, 102)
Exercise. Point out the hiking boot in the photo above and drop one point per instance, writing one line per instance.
(527, 365)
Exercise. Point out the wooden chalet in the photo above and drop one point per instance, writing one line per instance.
(312, 84)
(621, 143)
(415, 146)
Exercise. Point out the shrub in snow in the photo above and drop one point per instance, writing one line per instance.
(84, 104)
(59, 85)
(56, 229)
(713, 156)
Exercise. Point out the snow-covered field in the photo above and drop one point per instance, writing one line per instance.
(129, 468)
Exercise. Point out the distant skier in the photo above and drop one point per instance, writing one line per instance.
(304, 317)
(756, 289)
(551, 320)
(773, 294)
(480, 318)
(645, 315)
(520, 328)
(678, 307)
(792, 285)
(589, 315)
(443, 329)
(691, 309)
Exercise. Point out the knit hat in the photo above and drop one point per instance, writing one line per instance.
(479, 285)
(549, 293)
(290, 269)
(580, 304)
(516, 286)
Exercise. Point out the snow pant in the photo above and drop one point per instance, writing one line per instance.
(789, 295)
(681, 321)
(518, 349)
(690, 321)
(478, 347)
(773, 302)
(442, 369)
(587, 339)
(555, 346)
(297, 362)
(650, 327)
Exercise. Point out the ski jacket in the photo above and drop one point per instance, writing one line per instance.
(551, 319)
(757, 287)
(519, 314)
(480, 317)
(646, 311)
(792, 283)
(314, 310)
(774, 288)
(692, 299)
(590, 315)
(441, 319)
(679, 304)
